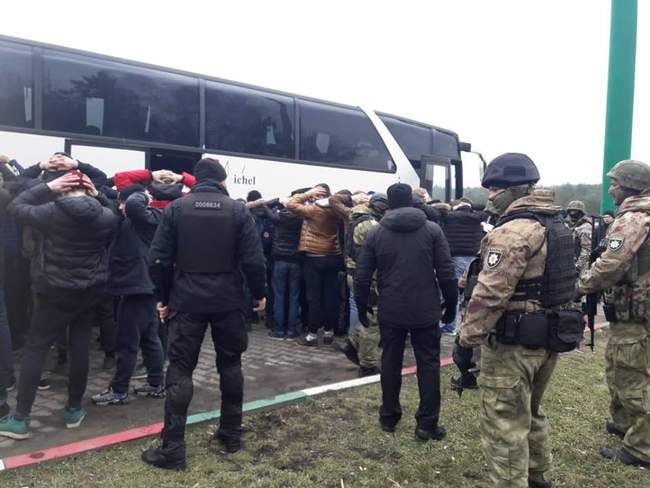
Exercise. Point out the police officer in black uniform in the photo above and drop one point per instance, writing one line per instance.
(203, 244)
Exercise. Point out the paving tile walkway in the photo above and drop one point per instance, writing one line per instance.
(271, 367)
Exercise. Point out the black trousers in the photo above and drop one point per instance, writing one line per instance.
(18, 298)
(426, 345)
(230, 339)
(105, 319)
(137, 326)
(322, 289)
(52, 314)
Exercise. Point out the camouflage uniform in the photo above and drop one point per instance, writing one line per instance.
(364, 339)
(582, 230)
(624, 267)
(513, 379)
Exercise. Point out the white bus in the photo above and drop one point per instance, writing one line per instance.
(120, 115)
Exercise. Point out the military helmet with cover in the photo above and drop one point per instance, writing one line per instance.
(379, 202)
(576, 205)
(510, 169)
(631, 174)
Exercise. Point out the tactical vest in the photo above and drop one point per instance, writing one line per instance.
(206, 234)
(556, 286)
(352, 249)
(641, 261)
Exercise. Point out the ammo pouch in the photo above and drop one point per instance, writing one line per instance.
(555, 330)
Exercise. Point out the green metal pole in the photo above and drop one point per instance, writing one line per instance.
(620, 90)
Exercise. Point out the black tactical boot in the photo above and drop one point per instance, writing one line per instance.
(437, 434)
(611, 428)
(537, 480)
(170, 456)
(229, 444)
(363, 371)
(350, 352)
(624, 456)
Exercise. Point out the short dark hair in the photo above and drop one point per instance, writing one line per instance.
(326, 187)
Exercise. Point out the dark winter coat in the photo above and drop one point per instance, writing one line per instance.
(413, 264)
(75, 235)
(286, 237)
(129, 265)
(211, 292)
(5, 198)
(464, 231)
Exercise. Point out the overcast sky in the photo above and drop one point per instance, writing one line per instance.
(506, 75)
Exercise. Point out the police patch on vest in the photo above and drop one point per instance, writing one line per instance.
(615, 244)
(493, 258)
(211, 205)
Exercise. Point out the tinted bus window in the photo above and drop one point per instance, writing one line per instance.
(445, 145)
(16, 85)
(415, 140)
(91, 96)
(336, 135)
(249, 121)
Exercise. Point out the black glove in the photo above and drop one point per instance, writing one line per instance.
(449, 314)
(462, 357)
(449, 290)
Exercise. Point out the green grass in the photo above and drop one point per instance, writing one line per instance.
(334, 441)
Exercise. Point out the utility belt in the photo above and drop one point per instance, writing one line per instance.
(555, 330)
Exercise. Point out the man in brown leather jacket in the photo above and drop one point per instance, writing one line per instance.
(323, 260)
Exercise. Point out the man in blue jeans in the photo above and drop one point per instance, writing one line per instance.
(287, 273)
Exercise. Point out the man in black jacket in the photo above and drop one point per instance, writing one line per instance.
(137, 321)
(68, 275)
(211, 239)
(287, 274)
(413, 264)
(463, 227)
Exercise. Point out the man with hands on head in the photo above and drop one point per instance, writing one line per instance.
(69, 274)
(319, 242)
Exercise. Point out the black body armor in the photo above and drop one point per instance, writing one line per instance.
(556, 286)
(552, 329)
(206, 234)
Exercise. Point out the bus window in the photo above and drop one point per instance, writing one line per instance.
(249, 121)
(90, 96)
(445, 144)
(16, 86)
(337, 135)
(414, 140)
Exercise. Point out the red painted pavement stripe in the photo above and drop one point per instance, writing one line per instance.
(79, 447)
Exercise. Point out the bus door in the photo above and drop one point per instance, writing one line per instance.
(435, 177)
(176, 161)
(110, 160)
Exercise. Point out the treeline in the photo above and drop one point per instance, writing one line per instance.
(589, 194)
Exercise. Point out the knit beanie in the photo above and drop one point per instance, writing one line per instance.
(400, 195)
(209, 169)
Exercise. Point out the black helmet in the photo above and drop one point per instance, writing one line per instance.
(510, 169)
